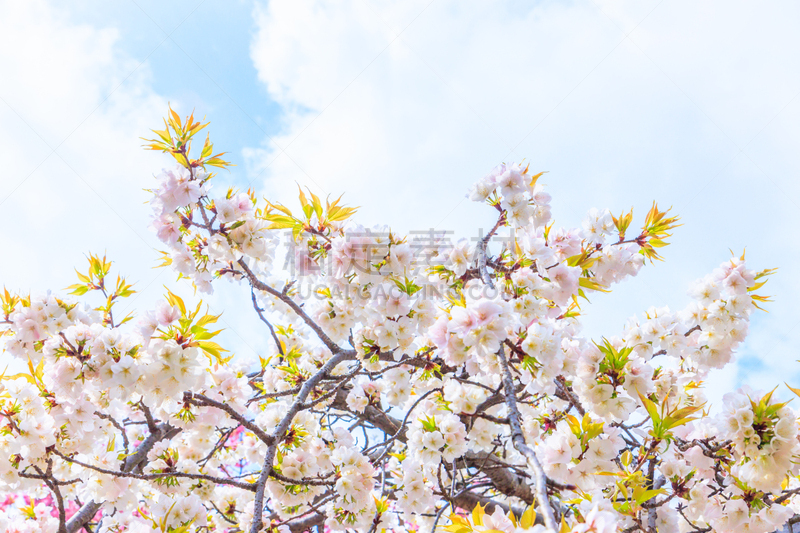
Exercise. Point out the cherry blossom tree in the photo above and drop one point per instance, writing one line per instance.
(410, 383)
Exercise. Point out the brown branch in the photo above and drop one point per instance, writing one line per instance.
(159, 475)
(265, 321)
(319, 480)
(117, 425)
(569, 396)
(201, 400)
(258, 284)
(89, 509)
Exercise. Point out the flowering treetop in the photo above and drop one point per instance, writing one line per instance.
(411, 383)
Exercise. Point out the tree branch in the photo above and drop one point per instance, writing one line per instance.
(201, 400)
(258, 284)
(160, 475)
(481, 250)
(519, 443)
(89, 509)
(265, 321)
(277, 436)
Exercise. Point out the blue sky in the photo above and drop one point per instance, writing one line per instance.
(401, 106)
(197, 53)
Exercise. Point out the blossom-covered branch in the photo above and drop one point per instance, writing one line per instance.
(408, 382)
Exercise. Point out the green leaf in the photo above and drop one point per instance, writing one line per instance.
(651, 407)
(796, 391)
(78, 289)
(174, 299)
(208, 319)
(589, 283)
(212, 350)
(648, 495)
(528, 518)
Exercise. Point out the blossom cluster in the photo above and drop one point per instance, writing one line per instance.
(453, 391)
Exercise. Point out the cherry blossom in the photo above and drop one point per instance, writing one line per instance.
(410, 382)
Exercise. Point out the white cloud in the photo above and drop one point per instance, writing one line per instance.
(74, 105)
(403, 105)
(73, 109)
(408, 121)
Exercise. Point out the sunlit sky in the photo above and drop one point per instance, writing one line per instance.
(403, 105)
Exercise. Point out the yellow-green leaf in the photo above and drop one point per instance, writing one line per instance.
(591, 284)
(174, 299)
(528, 518)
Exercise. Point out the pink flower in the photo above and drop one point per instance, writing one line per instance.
(167, 314)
